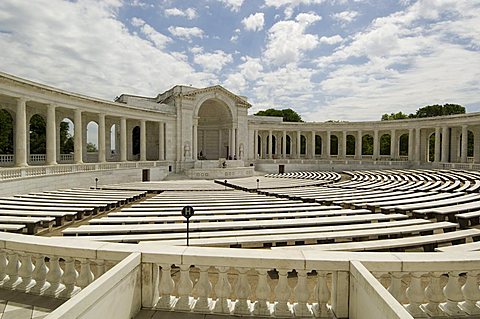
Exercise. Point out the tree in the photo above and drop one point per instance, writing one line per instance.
(394, 116)
(288, 115)
(66, 140)
(38, 136)
(6, 132)
(91, 147)
(427, 111)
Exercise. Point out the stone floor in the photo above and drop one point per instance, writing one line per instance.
(18, 305)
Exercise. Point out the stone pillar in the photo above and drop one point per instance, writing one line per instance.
(220, 144)
(101, 138)
(312, 144)
(464, 144)
(299, 143)
(344, 145)
(233, 147)
(437, 145)
(123, 139)
(255, 144)
(418, 144)
(284, 145)
(476, 145)
(195, 142)
(77, 138)
(51, 135)
(21, 133)
(143, 140)
(445, 144)
(161, 141)
(376, 148)
(393, 144)
(358, 144)
(410, 145)
(270, 144)
(327, 145)
(237, 144)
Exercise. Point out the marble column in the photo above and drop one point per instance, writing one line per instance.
(299, 144)
(21, 133)
(143, 140)
(220, 144)
(358, 144)
(393, 144)
(161, 141)
(77, 138)
(312, 146)
(233, 148)
(327, 145)
(376, 148)
(123, 139)
(51, 135)
(344, 144)
(445, 144)
(464, 152)
(437, 145)
(195, 142)
(284, 145)
(101, 138)
(270, 144)
(255, 144)
(410, 145)
(418, 144)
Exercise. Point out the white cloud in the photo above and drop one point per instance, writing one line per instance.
(186, 33)
(287, 40)
(234, 5)
(345, 17)
(159, 39)
(189, 13)
(82, 47)
(331, 40)
(254, 22)
(212, 62)
(291, 3)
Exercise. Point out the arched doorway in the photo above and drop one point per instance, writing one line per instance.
(215, 133)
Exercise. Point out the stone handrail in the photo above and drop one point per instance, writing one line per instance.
(23, 172)
(246, 282)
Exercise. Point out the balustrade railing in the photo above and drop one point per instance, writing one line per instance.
(37, 158)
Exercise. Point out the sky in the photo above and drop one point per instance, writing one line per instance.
(349, 60)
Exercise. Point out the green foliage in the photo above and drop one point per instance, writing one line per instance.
(385, 143)
(427, 111)
(38, 137)
(367, 145)
(6, 132)
(288, 115)
(394, 116)
(333, 145)
(66, 140)
(91, 147)
(403, 151)
(350, 145)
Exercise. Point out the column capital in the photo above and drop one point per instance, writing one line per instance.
(21, 99)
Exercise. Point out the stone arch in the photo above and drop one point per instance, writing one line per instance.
(350, 145)
(37, 137)
(303, 144)
(385, 144)
(318, 145)
(218, 97)
(431, 147)
(67, 145)
(92, 137)
(215, 126)
(367, 144)
(113, 140)
(333, 145)
(7, 125)
(136, 140)
(403, 145)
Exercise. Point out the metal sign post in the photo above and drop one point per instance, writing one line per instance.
(187, 212)
(96, 183)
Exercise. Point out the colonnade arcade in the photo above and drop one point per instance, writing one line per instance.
(421, 144)
(118, 138)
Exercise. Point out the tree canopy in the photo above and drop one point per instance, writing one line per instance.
(288, 115)
(427, 111)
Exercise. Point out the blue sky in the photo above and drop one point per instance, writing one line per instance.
(327, 59)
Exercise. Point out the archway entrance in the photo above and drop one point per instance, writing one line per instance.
(216, 137)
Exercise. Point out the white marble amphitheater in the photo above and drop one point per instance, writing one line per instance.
(291, 219)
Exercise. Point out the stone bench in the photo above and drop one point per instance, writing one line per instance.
(60, 217)
(430, 197)
(269, 240)
(450, 211)
(79, 212)
(101, 205)
(115, 218)
(257, 224)
(47, 204)
(461, 248)
(135, 238)
(32, 223)
(468, 218)
(427, 242)
(12, 228)
(361, 202)
(445, 202)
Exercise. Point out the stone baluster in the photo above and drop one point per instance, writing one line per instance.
(322, 295)
(86, 275)
(471, 293)
(282, 294)
(415, 294)
(54, 276)
(12, 270)
(69, 279)
(202, 289)
(262, 292)
(99, 267)
(242, 290)
(165, 288)
(302, 294)
(395, 288)
(185, 286)
(381, 277)
(453, 294)
(3, 266)
(434, 295)
(25, 272)
(40, 276)
(222, 290)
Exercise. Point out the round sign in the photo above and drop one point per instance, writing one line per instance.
(187, 211)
